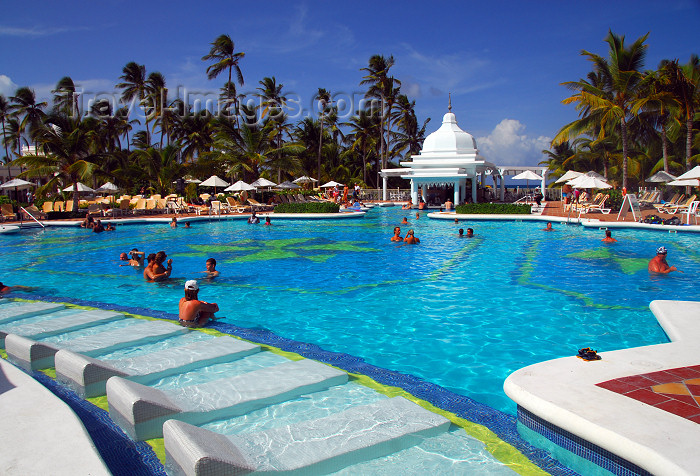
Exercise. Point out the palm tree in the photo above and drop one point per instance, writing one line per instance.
(363, 137)
(5, 114)
(161, 167)
(324, 99)
(657, 104)
(69, 157)
(409, 136)
(382, 87)
(156, 99)
(65, 96)
(25, 105)
(685, 87)
(612, 99)
(224, 57)
(133, 85)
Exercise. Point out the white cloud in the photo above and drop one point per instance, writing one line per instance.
(7, 87)
(37, 31)
(507, 144)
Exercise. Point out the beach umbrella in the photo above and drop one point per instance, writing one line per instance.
(527, 176)
(661, 177)
(332, 183)
(80, 187)
(288, 185)
(304, 179)
(590, 182)
(595, 174)
(685, 182)
(108, 187)
(239, 187)
(263, 182)
(18, 184)
(215, 182)
(192, 180)
(693, 173)
(569, 175)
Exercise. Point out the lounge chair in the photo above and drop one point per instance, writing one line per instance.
(680, 208)
(7, 212)
(598, 206)
(95, 209)
(674, 201)
(69, 206)
(694, 211)
(140, 208)
(58, 206)
(32, 211)
(236, 206)
(257, 206)
(47, 207)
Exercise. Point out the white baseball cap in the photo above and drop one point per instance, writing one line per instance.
(192, 285)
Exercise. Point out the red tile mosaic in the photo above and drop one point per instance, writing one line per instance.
(676, 391)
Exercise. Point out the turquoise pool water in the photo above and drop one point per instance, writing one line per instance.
(461, 313)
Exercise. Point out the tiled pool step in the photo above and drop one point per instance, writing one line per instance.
(315, 446)
(141, 410)
(30, 354)
(88, 376)
(66, 323)
(308, 431)
(11, 312)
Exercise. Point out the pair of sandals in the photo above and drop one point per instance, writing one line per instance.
(588, 354)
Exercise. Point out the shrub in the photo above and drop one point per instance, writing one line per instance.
(493, 209)
(322, 207)
(614, 200)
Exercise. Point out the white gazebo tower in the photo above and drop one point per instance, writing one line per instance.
(449, 157)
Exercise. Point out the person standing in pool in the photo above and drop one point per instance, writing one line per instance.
(658, 263)
(192, 311)
(608, 237)
(173, 223)
(410, 238)
(253, 219)
(448, 205)
(470, 233)
(548, 227)
(211, 271)
(397, 234)
(156, 271)
(461, 233)
(405, 221)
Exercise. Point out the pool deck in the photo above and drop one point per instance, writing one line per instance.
(642, 404)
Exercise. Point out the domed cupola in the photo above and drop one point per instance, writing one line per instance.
(449, 139)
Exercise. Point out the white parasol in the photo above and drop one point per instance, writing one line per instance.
(590, 182)
(569, 175)
(80, 187)
(239, 187)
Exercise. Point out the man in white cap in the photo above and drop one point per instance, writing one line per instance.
(193, 312)
(658, 263)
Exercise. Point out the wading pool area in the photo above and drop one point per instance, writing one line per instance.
(447, 320)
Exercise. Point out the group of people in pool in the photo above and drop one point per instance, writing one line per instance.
(95, 225)
(658, 263)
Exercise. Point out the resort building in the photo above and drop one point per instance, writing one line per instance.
(450, 159)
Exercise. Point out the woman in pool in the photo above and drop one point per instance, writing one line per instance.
(155, 271)
(405, 221)
(397, 234)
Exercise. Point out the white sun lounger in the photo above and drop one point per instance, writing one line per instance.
(141, 411)
(317, 446)
(78, 320)
(33, 355)
(88, 376)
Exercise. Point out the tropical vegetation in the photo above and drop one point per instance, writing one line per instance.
(632, 122)
(237, 138)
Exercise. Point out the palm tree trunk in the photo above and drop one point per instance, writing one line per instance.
(76, 201)
(664, 145)
(320, 143)
(7, 151)
(623, 127)
(688, 141)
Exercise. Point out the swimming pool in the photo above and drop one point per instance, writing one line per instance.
(460, 313)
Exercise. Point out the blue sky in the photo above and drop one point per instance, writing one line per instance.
(503, 61)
